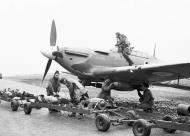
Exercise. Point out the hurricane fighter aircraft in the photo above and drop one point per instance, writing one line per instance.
(93, 67)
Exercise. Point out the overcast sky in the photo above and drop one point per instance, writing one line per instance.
(25, 29)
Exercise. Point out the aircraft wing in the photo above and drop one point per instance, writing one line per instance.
(148, 72)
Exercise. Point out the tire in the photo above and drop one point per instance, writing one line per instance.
(27, 108)
(168, 118)
(102, 122)
(14, 105)
(141, 128)
(131, 114)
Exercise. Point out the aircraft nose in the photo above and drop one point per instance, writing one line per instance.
(57, 54)
(48, 54)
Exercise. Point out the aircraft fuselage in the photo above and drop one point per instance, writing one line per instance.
(82, 62)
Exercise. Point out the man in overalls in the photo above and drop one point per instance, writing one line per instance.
(124, 47)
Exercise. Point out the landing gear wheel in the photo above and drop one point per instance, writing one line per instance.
(131, 114)
(168, 118)
(14, 105)
(102, 122)
(141, 128)
(27, 108)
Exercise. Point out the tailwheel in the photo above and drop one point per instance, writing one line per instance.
(141, 128)
(102, 122)
(14, 105)
(168, 118)
(27, 108)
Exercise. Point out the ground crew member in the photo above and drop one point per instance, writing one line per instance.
(54, 84)
(53, 87)
(146, 99)
(76, 97)
(106, 91)
(124, 47)
(122, 41)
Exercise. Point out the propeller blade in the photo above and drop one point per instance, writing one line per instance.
(53, 35)
(47, 68)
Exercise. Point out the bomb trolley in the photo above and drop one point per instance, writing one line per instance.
(169, 124)
(103, 117)
(16, 99)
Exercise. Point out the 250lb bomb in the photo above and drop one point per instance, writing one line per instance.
(183, 110)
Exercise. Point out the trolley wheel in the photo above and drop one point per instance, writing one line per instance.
(141, 128)
(102, 122)
(168, 118)
(14, 105)
(27, 108)
(131, 114)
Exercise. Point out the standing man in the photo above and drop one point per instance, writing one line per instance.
(124, 47)
(146, 99)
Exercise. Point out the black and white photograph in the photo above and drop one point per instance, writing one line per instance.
(94, 68)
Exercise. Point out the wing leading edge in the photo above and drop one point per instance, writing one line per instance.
(148, 72)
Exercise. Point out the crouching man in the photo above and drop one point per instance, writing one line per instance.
(76, 90)
(106, 92)
(146, 99)
(54, 85)
(77, 93)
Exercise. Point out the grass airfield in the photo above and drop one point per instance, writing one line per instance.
(39, 122)
(166, 98)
